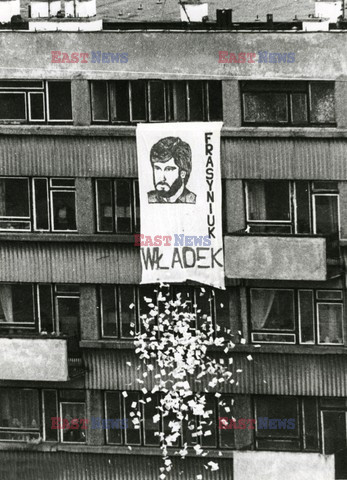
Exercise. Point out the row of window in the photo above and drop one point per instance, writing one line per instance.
(293, 316)
(272, 206)
(276, 103)
(317, 424)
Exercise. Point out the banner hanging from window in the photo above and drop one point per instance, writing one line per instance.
(180, 203)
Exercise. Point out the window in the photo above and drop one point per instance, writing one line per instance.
(156, 101)
(288, 103)
(296, 316)
(121, 307)
(125, 408)
(35, 101)
(41, 308)
(19, 414)
(295, 420)
(300, 207)
(118, 206)
(69, 407)
(55, 204)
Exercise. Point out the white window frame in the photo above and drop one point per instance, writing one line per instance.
(27, 219)
(340, 304)
(49, 119)
(107, 416)
(27, 325)
(107, 100)
(314, 315)
(272, 222)
(314, 195)
(150, 103)
(35, 120)
(49, 229)
(16, 120)
(102, 313)
(53, 190)
(61, 431)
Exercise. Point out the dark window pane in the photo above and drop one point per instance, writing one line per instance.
(178, 101)
(146, 292)
(326, 214)
(108, 311)
(322, 102)
(14, 197)
(330, 323)
(46, 308)
(272, 228)
(269, 200)
(137, 205)
(306, 315)
(303, 207)
(127, 310)
(150, 428)
(209, 440)
(50, 409)
(273, 337)
(157, 101)
(272, 309)
(196, 101)
(41, 204)
(226, 435)
(119, 95)
(114, 411)
(123, 198)
(329, 295)
(74, 412)
(69, 321)
(138, 100)
(37, 106)
(64, 210)
(19, 414)
(132, 434)
(12, 106)
(63, 182)
(311, 429)
(20, 84)
(99, 101)
(265, 107)
(16, 304)
(283, 409)
(334, 432)
(59, 100)
(105, 205)
(299, 108)
(325, 185)
(222, 307)
(204, 306)
(215, 100)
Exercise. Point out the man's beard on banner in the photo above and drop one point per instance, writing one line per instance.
(177, 184)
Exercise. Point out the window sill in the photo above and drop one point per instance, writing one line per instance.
(130, 131)
(238, 349)
(67, 237)
(108, 449)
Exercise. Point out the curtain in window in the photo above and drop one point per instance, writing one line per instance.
(262, 301)
(2, 198)
(6, 311)
(19, 408)
(256, 201)
(330, 323)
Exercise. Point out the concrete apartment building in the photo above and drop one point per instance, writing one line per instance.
(69, 210)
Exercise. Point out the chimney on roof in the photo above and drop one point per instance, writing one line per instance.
(225, 18)
(193, 11)
(8, 8)
(329, 10)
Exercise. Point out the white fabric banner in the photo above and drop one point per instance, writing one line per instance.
(180, 203)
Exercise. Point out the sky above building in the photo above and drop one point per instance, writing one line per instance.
(169, 10)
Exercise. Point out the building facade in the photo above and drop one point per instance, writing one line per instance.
(69, 269)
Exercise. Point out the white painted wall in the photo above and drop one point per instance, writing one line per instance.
(283, 466)
(33, 359)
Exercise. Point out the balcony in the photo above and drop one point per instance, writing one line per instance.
(264, 257)
(34, 359)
